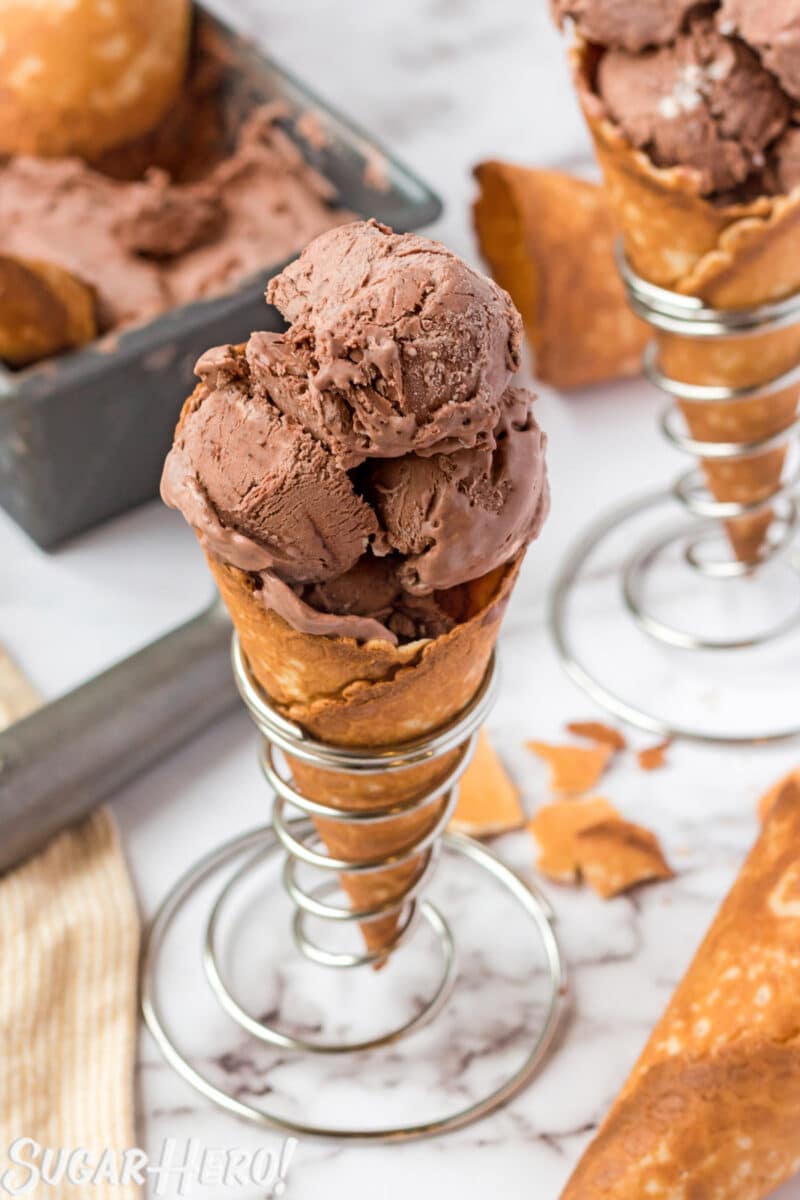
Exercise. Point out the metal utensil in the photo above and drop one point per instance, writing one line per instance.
(67, 757)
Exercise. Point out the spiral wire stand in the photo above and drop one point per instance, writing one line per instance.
(304, 852)
(688, 317)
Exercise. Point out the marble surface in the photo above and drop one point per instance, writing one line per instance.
(444, 83)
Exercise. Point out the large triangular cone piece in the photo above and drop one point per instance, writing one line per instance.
(731, 257)
(711, 1108)
(370, 694)
(549, 239)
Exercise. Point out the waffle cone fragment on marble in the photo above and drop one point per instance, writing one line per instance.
(711, 1108)
(731, 257)
(375, 695)
(548, 238)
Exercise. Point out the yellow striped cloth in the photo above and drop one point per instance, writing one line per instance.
(69, 943)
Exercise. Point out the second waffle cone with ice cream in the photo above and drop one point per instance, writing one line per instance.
(733, 256)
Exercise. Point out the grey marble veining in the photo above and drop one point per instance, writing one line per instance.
(445, 83)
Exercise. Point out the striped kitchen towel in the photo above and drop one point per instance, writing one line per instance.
(69, 944)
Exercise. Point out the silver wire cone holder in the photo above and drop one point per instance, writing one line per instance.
(689, 317)
(304, 852)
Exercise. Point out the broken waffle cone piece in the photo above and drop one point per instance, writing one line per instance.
(573, 768)
(768, 800)
(549, 240)
(43, 310)
(732, 257)
(615, 855)
(596, 731)
(652, 758)
(488, 802)
(372, 695)
(555, 827)
(710, 1109)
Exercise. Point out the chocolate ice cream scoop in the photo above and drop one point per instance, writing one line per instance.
(772, 29)
(783, 171)
(703, 102)
(374, 589)
(627, 24)
(360, 492)
(408, 347)
(455, 516)
(286, 371)
(262, 492)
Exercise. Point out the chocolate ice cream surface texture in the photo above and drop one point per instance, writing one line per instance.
(373, 457)
(629, 24)
(772, 28)
(148, 245)
(712, 88)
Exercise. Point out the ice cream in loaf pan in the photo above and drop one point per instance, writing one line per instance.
(183, 213)
(145, 246)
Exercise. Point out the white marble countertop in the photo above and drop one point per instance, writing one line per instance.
(444, 83)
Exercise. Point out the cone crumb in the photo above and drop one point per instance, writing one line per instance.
(596, 731)
(488, 802)
(573, 769)
(652, 758)
(615, 855)
(555, 829)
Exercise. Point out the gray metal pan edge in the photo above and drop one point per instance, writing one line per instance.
(64, 759)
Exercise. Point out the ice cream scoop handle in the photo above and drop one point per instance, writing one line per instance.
(67, 757)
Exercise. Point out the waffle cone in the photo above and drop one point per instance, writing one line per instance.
(549, 240)
(373, 695)
(711, 1107)
(733, 256)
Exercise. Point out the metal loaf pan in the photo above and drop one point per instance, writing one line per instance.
(83, 436)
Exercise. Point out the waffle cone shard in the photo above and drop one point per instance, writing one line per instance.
(372, 695)
(540, 231)
(734, 256)
(711, 1108)
(43, 310)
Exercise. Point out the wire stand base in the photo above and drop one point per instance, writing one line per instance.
(563, 626)
(294, 843)
(247, 853)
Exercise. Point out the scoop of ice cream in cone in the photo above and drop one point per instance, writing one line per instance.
(692, 109)
(702, 101)
(364, 486)
(630, 24)
(773, 30)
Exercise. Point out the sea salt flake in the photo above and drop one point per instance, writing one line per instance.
(668, 108)
(686, 94)
(719, 69)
